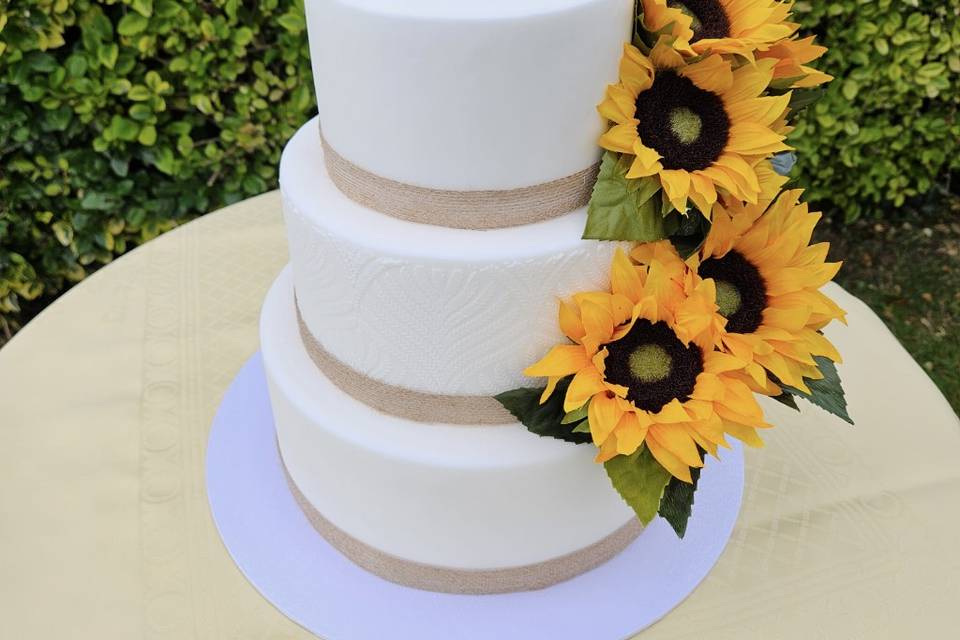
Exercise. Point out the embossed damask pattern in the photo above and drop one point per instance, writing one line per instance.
(204, 290)
(846, 532)
(456, 327)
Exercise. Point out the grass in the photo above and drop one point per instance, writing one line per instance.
(906, 268)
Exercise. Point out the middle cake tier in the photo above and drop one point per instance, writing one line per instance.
(431, 309)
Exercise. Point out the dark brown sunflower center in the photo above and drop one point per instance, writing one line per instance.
(685, 124)
(653, 365)
(741, 291)
(709, 18)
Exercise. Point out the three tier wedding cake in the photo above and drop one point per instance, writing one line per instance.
(436, 212)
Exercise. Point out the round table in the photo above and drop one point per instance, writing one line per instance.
(107, 398)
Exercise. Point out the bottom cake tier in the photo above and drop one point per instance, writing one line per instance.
(471, 509)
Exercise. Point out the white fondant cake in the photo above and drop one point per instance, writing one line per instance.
(494, 94)
(433, 309)
(448, 96)
(465, 497)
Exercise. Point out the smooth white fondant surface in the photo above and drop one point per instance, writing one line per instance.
(438, 310)
(465, 497)
(465, 95)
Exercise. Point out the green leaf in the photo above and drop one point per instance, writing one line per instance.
(582, 427)
(677, 502)
(63, 232)
(164, 161)
(826, 393)
(690, 232)
(850, 89)
(120, 166)
(124, 128)
(167, 8)
(621, 208)
(139, 93)
(542, 419)
(292, 22)
(98, 201)
(800, 99)
(143, 7)
(132, 24)
(782, 85)
(786, 398)
(76, 65)
(148, 136)
(242, 36)
(640, 481)
(576, 416)
(107, 54)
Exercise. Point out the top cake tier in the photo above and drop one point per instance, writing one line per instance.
(465, 96)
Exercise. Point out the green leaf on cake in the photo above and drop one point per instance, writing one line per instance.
(640, 481)
(622, 208)
(677, 502)
(826, 393)
(576, 416)
(787, 398)
(543, 419)
(687, 232)
(582, 427)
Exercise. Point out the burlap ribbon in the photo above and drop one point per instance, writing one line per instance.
(398, 401)
(460, 209)
(466, 581)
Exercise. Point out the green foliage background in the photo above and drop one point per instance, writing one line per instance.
(886, 131)
(120, 119)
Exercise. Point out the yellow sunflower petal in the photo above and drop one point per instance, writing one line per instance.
(751, 138)
(663, 56)
(676, 184)
(746, 435)
(671, 413)
(562, 360)
(668, 461)
(713, 74)
(586, 384)
(630, 433)
(619, 104)
(718, 362)
(703, 193)
(620, 137)
(749, 81)
(607, 451)
(604, 414)
(646, 161)
(624, 278)
(551, 387)
(570, 324)
(636, 70)
(597, 322)
(675, 439)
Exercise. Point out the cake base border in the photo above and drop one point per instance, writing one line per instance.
(295, 569)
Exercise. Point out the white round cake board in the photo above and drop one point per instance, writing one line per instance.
(305, 578)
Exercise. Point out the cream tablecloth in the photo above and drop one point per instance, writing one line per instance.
(846, 532)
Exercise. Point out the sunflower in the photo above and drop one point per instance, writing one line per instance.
(644, 366)
(768, 277)
(738, 27)
(698, 128)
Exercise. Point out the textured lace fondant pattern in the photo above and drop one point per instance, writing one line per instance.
(436, 326)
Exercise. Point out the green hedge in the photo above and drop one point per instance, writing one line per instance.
(121, 119)
(887, 129)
